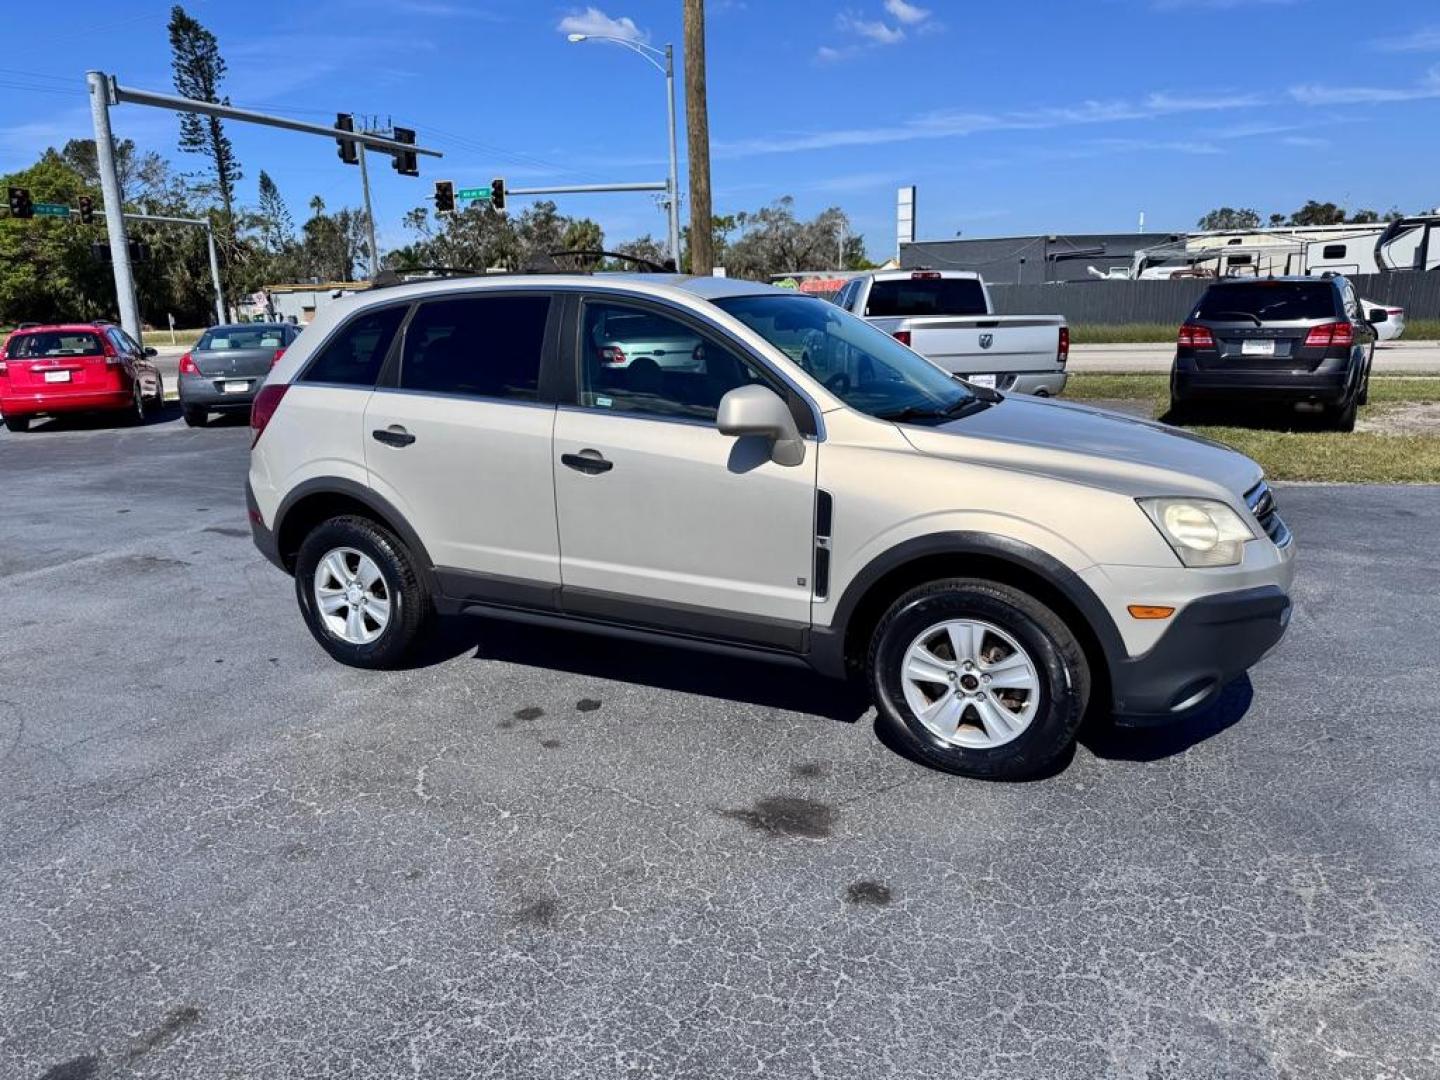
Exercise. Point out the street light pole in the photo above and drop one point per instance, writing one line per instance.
(674, 163)
(650, 54)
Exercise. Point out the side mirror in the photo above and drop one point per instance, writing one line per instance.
(758, 410)
(1377, 315)
(151, 352)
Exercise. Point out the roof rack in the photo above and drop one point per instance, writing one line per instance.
(387, 279)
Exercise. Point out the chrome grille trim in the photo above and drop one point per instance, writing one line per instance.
(1261, 501)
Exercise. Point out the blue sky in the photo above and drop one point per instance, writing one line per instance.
(1040, 116)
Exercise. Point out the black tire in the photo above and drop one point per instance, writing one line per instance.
(194, 415)
(17, 424)
(409, 596)
(1178, 413)
(1064, 676)
(157, 403)
(139, 411)
(1364, 398)
(1342, 417)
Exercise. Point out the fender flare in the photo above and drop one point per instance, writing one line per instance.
(382, 508)
(829, 643)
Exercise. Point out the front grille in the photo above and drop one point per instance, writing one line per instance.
(1261, 501)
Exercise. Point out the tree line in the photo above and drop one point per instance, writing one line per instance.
(1228, 218)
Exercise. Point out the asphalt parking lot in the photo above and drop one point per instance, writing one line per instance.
(541, 854)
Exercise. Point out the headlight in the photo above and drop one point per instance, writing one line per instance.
(1203, 532)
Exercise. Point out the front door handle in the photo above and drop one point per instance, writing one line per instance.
(587, 461)
(394, 435)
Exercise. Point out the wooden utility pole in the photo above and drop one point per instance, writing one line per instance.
(697, 138)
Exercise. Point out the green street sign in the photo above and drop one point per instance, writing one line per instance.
(50, 209)
(470, 193)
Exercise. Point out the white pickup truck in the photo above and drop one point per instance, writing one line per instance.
(946, 316)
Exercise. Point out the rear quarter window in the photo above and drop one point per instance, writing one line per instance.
(354, 356)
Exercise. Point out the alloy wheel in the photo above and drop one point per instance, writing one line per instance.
(971, 684)
(351, 595)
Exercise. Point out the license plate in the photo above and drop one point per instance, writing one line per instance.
(981, 380)
(1257, 347)
(229, 387)
(57, 376)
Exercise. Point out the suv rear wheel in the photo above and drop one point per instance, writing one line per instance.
(978, 678)
(17, 423)
(1342, 417)
(360, 593)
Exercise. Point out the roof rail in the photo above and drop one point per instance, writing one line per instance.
(387, 279)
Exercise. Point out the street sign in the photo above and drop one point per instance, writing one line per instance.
(472, 193)
(50, 209)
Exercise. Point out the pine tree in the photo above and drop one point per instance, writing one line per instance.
(198, 70)
(277, 228)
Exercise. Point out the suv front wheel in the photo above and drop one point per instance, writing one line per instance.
(978, 678)
(360, 593)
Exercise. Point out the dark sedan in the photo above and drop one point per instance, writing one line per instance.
(1278, 339)
(227, 365)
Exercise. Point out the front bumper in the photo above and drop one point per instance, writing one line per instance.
(204, 392)
(1212, 641)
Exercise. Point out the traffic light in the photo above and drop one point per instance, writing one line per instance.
(405, 161)
(349, 148)
(87, 210)
(497, 193)
(444, 197)
(20, 204)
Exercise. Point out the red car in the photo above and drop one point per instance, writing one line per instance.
(76, 367)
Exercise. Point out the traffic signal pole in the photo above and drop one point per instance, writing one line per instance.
(114, 209)
(105, 92)
(369, 214)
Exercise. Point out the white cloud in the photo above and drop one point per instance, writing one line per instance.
(595, 23)
(1319, 94)
(827, 54)
(907, 13)
(1310, 142)
(1426, 39)
(871, 29)
(942, 124)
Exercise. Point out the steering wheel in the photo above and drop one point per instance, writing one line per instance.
(838, 383)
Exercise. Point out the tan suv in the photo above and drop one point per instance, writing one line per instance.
(992, 564)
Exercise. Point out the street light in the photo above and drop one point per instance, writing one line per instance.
(650, 55)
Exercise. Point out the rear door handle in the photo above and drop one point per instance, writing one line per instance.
(394, 435)
(587, 461)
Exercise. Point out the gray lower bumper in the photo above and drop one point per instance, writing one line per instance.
(1045, 383)
(206, 392)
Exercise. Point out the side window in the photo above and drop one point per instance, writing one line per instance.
(636, 361)
(1352, 304)
(353, 357)
(120, 341)
(480, 346)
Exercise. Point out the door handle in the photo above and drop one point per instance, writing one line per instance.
(587, 461)
(394, 435)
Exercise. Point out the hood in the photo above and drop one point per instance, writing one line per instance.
(1095, 446)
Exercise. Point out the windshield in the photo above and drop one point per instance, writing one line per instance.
(222, 338)
(925, 295)
(866, 368)
(1278, 301)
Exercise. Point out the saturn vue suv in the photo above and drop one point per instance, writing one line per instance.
(991, 564)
